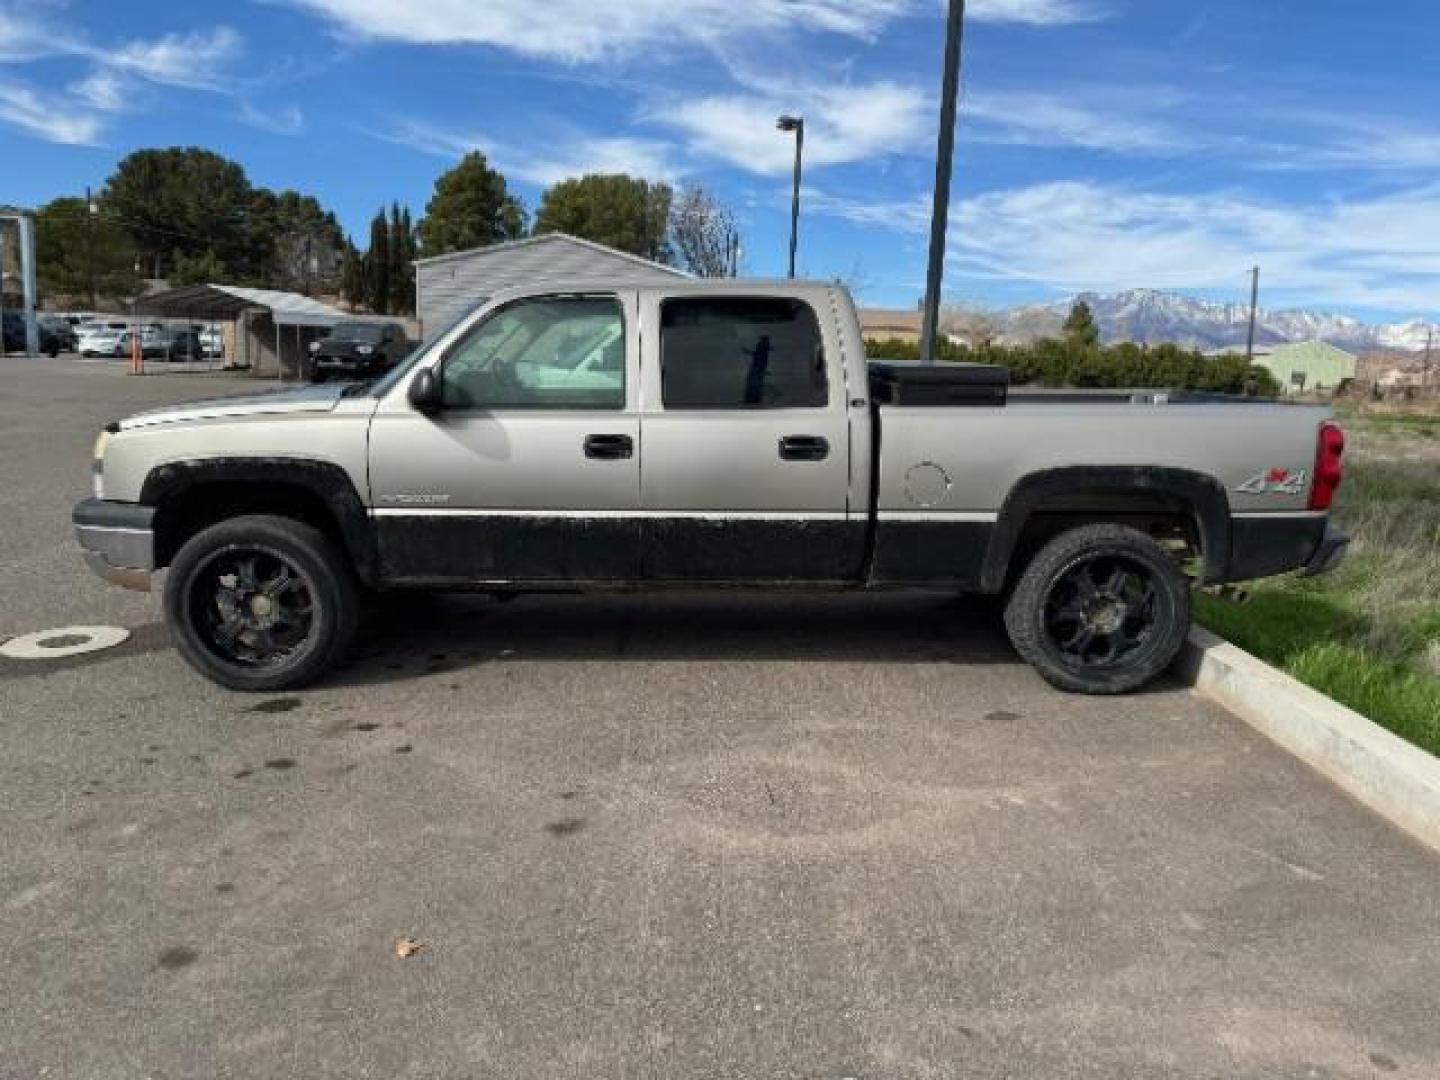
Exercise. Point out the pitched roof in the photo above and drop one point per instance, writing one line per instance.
(228, 301)
(550, 238)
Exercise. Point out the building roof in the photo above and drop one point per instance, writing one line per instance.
(907, 319)
(550, 238)
(228, 301)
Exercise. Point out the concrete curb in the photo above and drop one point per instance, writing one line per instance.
(1399, 781)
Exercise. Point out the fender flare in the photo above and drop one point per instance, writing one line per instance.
(326, 480)
(1205, 496)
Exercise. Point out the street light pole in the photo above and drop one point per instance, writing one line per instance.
(944, 168)
(797, 125)
(90, 211)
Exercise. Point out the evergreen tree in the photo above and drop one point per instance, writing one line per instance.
(352, 276)
(401, 254)
(377, 265)
(622, 212)
(1080, 329)
(78, 252)
(471, 207)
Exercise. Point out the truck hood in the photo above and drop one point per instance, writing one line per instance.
(305, 399)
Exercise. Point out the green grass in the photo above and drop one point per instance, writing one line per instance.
(1309, 640)
(1368, 635)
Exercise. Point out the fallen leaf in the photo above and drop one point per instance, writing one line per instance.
(406, 947)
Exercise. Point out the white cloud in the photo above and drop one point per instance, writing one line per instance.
(199, 60)
(1085, 235)
(842, 124)
(1037, 12)
(1382, 252)
(1034, 119)
(582, 153)
(289, 120)
(578, 31)
(196, 60)
(54, 119)
(1378, 145)
(910, 216)
(101, 89)
(21, 38)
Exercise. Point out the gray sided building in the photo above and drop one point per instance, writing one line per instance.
(446, 286)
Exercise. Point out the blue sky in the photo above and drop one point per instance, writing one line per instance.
(1103, 143)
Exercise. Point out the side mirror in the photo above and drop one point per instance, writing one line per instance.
(425, 396)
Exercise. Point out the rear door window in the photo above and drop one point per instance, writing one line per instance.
(741, 353)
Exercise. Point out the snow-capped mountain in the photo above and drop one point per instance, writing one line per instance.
(1146, 315)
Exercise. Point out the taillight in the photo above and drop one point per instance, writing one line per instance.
(1329, 468)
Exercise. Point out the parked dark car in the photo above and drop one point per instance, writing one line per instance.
(176, 345)
(63, 330)
(13, 334)
(356, 350)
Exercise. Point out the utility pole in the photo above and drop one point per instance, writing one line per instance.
(944, 169)
(1425, 371)
(795, 124)
(1254, 313)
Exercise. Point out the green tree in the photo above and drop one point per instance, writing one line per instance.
(622, 212)
(402, 258)
(1080, 329)
(200, 268)
(352, 276)
(471, 207)
(183, 202)
(296, 243)
(377, 265)
(79, 254)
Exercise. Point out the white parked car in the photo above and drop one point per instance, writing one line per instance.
(98, 338)
(212, 341)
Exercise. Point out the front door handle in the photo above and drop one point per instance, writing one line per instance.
(609, 447)
(804, 448)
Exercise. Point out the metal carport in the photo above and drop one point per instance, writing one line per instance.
(272, 309)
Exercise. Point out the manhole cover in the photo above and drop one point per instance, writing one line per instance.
(66, 641)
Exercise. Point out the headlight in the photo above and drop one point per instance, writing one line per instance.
(314, 346)
(97, 464)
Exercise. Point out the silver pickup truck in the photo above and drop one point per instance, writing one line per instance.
(577, 437)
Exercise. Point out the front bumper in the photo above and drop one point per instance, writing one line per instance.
(117, 540)
(344, 363)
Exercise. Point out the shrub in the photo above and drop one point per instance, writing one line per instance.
(1073, 364)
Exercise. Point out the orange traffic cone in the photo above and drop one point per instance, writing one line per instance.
(137, 354)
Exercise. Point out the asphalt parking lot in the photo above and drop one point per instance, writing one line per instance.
(673, 836)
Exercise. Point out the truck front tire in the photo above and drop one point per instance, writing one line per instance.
(1101, 609)
(261, 603)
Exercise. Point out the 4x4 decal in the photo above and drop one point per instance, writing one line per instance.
(1276, 482)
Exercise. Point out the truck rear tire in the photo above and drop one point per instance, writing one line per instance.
(1101, 609)
(261, 603)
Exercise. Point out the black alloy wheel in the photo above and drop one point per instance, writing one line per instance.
(1100, 609)
(252, 606)
(261, 603)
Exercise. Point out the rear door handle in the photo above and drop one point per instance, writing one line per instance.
(609, 447)
(804, 448)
